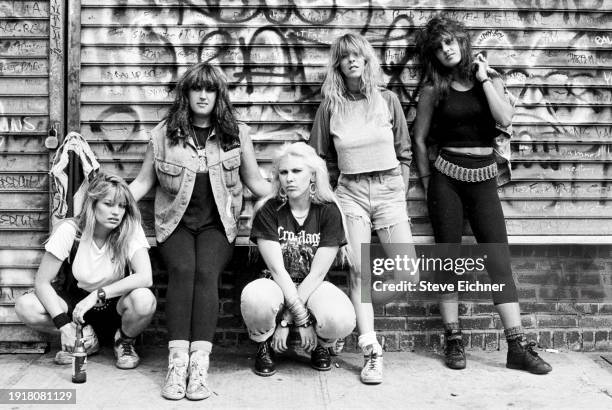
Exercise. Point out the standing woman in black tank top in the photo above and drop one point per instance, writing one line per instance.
(458, 110)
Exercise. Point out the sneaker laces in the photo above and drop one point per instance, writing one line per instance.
(127, 347)
(174, 377)
(372, 361)
(198, 371)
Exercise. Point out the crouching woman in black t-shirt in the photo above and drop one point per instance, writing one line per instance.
(298, 230)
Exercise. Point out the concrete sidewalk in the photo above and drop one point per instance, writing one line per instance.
(412, 380)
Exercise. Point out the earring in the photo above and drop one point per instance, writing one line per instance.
(312, 190)
(282, 194)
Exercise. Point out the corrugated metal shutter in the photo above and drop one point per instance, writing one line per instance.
(556, 60)
(31, 64)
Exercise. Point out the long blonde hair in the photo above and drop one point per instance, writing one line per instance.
(118, 239)
(334, 88)
(324, 192)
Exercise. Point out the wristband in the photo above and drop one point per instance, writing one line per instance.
(61, 320)
(485, 80)
(424, 176)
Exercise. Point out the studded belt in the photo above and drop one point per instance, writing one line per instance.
(465, 174)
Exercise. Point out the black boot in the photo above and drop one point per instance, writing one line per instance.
(320, 358)
(264, 360)
(521, 356)
(454, 354)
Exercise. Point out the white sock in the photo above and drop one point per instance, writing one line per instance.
(178, 349)
(368, 343)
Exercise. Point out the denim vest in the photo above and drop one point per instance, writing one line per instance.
(176, 166)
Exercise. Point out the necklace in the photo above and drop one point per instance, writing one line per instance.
(301, 218)
(354, 96)
(201, 150)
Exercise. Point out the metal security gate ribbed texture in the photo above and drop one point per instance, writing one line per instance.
(31, 52)
(556, 60)
(275, 55)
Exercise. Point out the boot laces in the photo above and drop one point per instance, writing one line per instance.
(454, 347)
(529, 348)
(263, 352)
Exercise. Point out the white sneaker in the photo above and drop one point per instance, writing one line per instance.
(91, 343)
(198, 389)
(372, 372)
(176, 379)
(125, 353)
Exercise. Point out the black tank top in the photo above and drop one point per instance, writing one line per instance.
(464, 119)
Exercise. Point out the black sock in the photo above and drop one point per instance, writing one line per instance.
(123, 335)
(452, 331)
(513, 333)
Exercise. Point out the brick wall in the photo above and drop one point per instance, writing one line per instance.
(562, 289)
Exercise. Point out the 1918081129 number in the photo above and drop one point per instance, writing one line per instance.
(10, 396)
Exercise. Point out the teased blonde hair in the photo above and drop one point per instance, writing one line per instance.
(324, 192)
(334, 88)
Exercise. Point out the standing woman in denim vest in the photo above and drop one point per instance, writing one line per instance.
(196, 160)
(461, 106)
(361, 132)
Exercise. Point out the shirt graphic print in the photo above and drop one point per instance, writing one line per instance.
(299, 243)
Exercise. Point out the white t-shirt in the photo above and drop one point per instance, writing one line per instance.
(92, 266)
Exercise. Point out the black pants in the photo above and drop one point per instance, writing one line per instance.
(105, 320)
(449, 200)
(194, 261)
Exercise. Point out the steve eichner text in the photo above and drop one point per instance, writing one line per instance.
(425, 286)
(409, 264)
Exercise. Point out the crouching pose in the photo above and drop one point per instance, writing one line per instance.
(298, 230)
(103, 243)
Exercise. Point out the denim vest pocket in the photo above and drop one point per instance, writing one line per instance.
(231, 168)
(170, 176)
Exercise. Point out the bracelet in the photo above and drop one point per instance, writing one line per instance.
(309, 322)
(61, 320)
(299, 312)
(424, 176)
(485, 80)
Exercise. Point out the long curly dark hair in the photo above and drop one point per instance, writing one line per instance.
(433, 73)
(178, 120)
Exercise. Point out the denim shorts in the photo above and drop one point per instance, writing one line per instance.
(378, 198)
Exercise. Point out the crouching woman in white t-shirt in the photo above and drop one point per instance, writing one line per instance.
(111, 275)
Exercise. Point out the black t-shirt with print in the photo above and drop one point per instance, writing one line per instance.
(299, 243)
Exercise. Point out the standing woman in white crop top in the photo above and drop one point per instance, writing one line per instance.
(361, 132)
